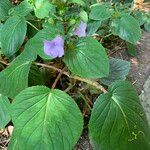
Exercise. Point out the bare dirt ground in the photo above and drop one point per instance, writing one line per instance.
(139, 74)
(140, 70)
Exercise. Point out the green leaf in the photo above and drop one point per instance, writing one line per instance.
(44, 118)
(4, 111)
(84, 16)
(140, 17)
(88, 59)
(123, 27)
(14, 78)
(100, 12)
(80, 2)
(36, 44)
(147, 26)
(13, 35)
(119, 69)
(35, 76)
(147, 22)
(118, 121)
(42, 8)
(1, 26)
(23, 9)
(93, 27)
(131, 49)
(5, 5)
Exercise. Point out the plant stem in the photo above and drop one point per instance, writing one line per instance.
(3, 62)
(32, 25)
(82, 96)
(90, 82)
(69, 88)
(89, 101)
(108, 35)
(58, 77)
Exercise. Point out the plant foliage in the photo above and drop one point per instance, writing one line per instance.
(49, 51)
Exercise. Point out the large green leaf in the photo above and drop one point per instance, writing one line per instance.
(4, 111)
(119, 69)
(100, 12)
(45, 119)
(13, 34)
(23, 9)
(88, 59)
(127, 28)
(5, 5)
(14, 78)
(118, 121)
(42, 8)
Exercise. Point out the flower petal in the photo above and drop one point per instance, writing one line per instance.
(55, 47)
(61, 51)
(59, 40)
(81, 30)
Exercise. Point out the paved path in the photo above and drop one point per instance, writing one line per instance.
(145, 99)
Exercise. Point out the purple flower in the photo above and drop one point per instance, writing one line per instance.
(81, 30)
(55, 47)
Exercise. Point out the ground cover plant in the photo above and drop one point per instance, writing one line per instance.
(56, 71)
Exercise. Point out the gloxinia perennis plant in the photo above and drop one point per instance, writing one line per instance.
(47, 100)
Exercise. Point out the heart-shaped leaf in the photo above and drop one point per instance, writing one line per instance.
(44, 118)
(118, 121)
(88, 59)
(118, 70)
(100, 12)
(127, 28)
